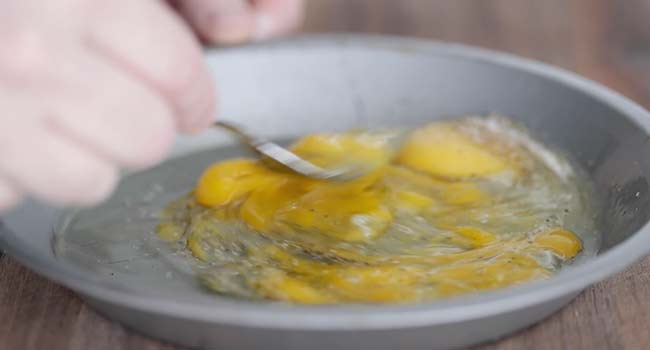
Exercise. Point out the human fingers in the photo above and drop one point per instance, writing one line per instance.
(235, 21)
(146, 39)
(56, 169)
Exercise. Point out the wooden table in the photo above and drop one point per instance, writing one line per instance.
(605, 40)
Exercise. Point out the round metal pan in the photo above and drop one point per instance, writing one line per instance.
(287, 88)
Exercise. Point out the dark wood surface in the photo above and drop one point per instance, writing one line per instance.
(605, 40)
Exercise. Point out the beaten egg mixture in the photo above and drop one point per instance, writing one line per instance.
(454, 207)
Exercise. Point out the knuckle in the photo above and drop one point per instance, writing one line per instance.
(77, 180)
(89, 187)
(100, 186)
(154, 142)
(143, 130)
(23, 53)
(181, 71)
(196, 110)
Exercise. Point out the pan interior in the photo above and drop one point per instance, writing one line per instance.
(349, 84)
(117, 240)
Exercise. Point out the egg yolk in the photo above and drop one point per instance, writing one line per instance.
(443, 151)
(326, 242)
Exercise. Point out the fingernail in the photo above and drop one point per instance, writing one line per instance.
(264, 26)
(232, 37)
(198, 106)
(227, 29)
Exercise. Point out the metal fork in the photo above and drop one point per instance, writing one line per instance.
(280, 156)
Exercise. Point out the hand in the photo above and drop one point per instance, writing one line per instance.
(88, 87)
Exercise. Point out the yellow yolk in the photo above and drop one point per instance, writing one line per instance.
(325, 242)
(561, 242)
(402, 280)
(355, 216)
(351, 211)
(275, 284)
(413, 201)
(443, 151)
(335, 150)
(227, 181)
(477, 236)
(260, 208)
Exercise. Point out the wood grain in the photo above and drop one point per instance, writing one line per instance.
(607, 41)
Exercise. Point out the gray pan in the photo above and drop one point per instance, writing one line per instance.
(110, 256)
